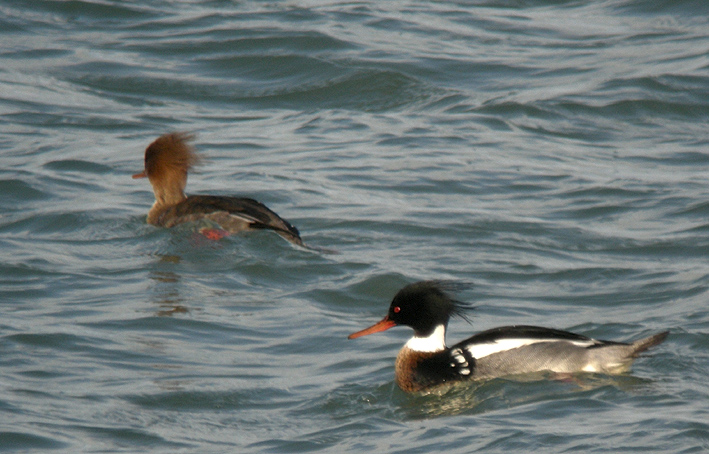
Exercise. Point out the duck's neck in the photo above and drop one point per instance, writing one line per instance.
(434, 342)
(166, 195)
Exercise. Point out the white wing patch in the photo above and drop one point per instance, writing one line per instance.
(501, 345)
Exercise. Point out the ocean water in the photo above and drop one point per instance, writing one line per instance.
(553, 154)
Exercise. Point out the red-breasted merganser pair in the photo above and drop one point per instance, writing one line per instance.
(167, 161)
(426, 362)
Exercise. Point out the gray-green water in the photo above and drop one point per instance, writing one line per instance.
(552, 153)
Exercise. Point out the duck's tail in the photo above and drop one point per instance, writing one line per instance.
(641, 345)
(293, 236)
(617, 357)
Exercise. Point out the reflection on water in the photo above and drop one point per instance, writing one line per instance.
(504, 393)
(165, 288)
(177, 309)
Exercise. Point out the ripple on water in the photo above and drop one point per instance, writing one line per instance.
(24, 441)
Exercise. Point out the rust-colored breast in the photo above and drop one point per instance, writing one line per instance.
(408, 370)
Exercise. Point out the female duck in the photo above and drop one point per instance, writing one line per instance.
(426, 361)
(167, 161)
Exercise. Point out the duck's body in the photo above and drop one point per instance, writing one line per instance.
(167, 162)
(426, 362)
(515, 350)
(233, 214)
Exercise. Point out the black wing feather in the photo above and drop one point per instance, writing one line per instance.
(262, 216)
(527, 332)
(253, 213)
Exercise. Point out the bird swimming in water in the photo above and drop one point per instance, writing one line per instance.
(168, 160)
(426, 362)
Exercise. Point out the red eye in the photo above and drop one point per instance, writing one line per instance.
(397, 309)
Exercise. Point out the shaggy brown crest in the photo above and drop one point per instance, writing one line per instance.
(170, 153)
(167, 162)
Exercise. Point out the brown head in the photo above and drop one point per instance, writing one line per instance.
(167, 161)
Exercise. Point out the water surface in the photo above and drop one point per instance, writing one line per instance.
(553, 154)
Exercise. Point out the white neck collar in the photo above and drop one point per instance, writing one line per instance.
(435, 342)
